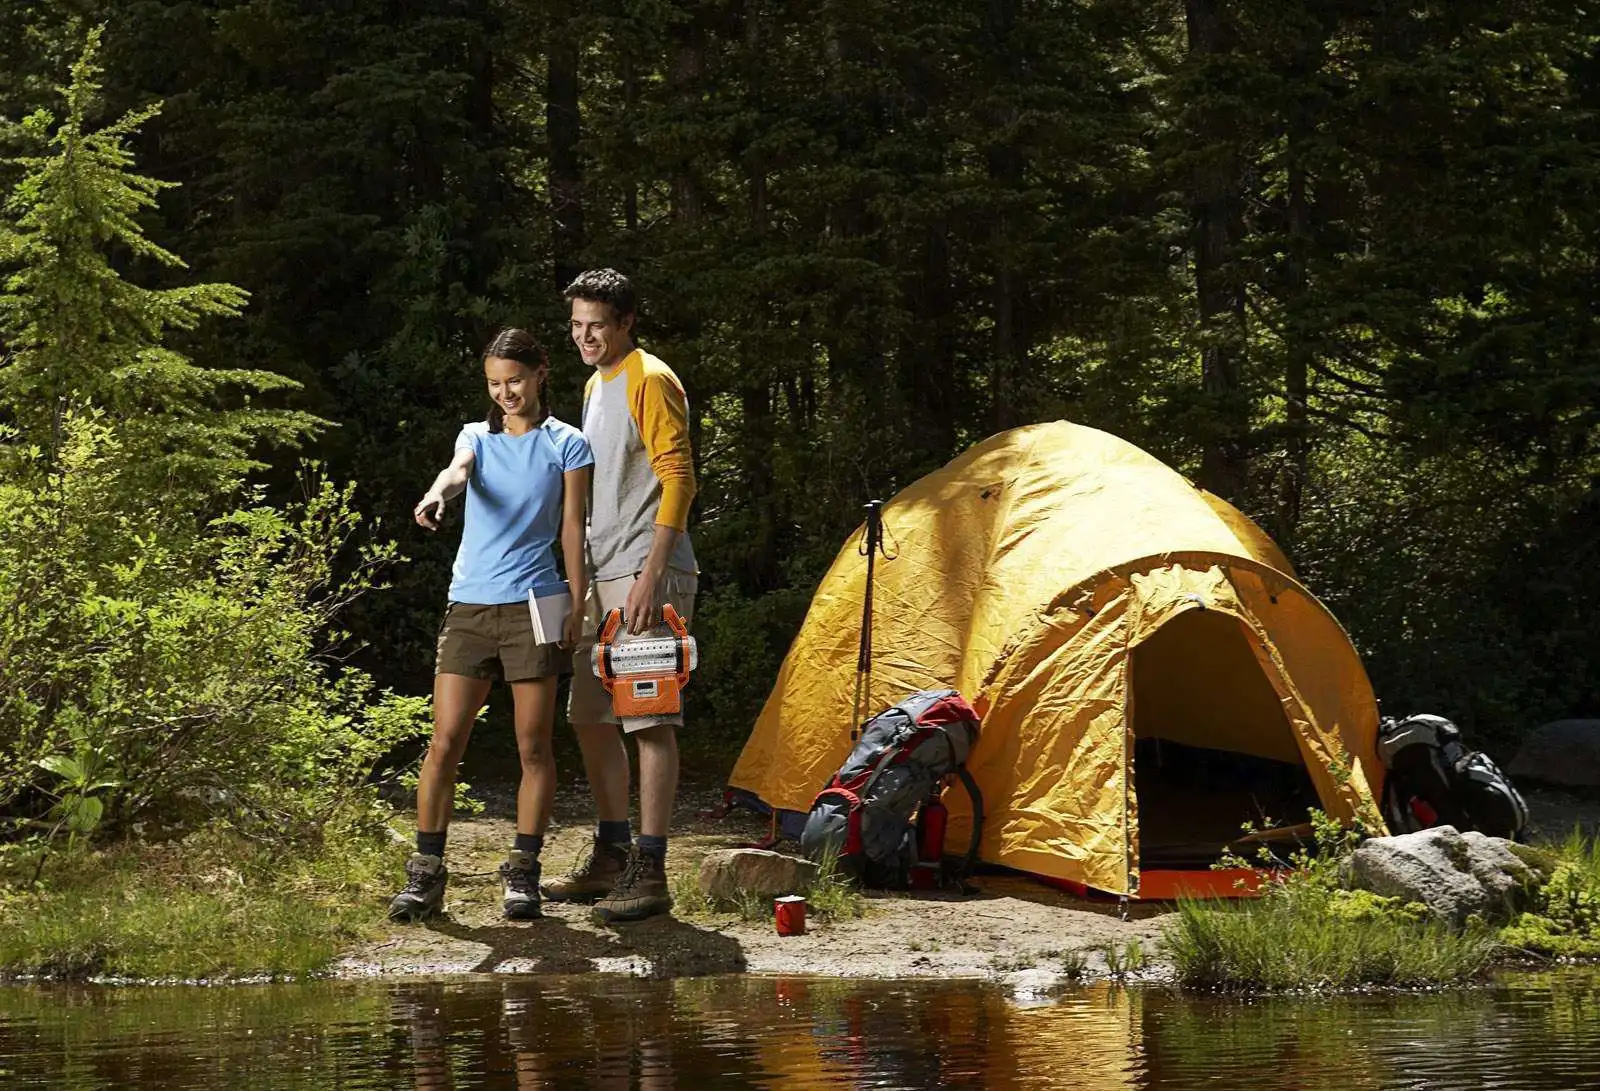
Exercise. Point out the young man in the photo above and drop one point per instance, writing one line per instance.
(636, 418)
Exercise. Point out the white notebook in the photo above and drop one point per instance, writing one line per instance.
(550, 606)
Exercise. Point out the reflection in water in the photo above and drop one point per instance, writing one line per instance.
(1536, 1033)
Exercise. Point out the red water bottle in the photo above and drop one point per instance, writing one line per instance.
(931, 822)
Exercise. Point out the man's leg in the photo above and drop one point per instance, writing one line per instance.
(605, 765)
(643, 891)
(605, 758)
(658, 778)
(658, 739)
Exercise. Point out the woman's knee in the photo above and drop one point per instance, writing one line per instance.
(536, 753)
(446, 749)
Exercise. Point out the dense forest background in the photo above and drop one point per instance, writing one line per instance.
(1338, 262)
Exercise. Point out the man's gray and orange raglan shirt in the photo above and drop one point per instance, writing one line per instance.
(637, 420)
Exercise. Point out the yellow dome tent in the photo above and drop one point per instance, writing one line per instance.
(1089, 601)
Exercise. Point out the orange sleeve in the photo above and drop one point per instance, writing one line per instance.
(661, 410)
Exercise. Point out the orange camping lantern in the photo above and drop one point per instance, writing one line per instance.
(645, 677)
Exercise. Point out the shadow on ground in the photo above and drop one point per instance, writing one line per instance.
(659, 947)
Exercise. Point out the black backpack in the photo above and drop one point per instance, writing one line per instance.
(900, 762)
(1434, 780)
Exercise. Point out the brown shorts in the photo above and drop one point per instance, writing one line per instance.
(495, 642)
(589, 703)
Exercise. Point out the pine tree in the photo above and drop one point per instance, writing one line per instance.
(79, 334)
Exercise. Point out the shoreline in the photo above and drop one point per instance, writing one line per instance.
(1022, 934)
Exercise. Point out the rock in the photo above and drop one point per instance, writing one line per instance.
(1565, 752)
(726, 873)
(1454, 874)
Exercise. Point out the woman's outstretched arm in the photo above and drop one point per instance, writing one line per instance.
(451, 480)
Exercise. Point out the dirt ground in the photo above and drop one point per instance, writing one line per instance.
(1011, 928)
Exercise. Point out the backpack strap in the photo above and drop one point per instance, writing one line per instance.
(970, 861)
(852, 824)
(870, 777)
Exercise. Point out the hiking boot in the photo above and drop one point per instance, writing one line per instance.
(640, 892)
(423, 895)
(519, 887)
(592, 879)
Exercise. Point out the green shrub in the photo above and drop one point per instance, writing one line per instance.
(166, 677)
(1364, 905)
(1123, 959)
(168, 652)
(831, 894)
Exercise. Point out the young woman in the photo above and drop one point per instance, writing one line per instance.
(526, 476)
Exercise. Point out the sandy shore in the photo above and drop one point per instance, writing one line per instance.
(1011, 928)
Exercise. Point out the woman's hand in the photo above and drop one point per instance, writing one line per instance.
(429, 511)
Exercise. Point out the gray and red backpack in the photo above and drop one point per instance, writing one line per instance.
(880, 813)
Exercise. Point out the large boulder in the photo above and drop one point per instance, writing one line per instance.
(1454, 874)
(1565, 752)
(727, 873)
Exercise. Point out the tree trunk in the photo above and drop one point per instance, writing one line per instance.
(755, 47)
(1297, 355)
(630, 111)
(760, 571)
(489, 200)
(566, 170)
(1216, 208)
(928, 348)
(685, 72)
(1005, 166)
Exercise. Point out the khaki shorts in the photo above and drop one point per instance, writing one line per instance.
(494, 642)
(589, 702)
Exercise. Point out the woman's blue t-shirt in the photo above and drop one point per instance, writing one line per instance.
(513, 510)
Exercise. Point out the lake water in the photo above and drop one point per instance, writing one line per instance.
(1528, 1031)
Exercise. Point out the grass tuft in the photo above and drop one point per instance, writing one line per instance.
(1123, 960)
(1294, 939)
(1074, 964)
(688, 900)
(832, 896)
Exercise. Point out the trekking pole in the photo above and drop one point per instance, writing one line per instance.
(871, 546)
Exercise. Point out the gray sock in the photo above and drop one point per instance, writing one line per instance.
(614, 833)
(651, 845)
(431, 844)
